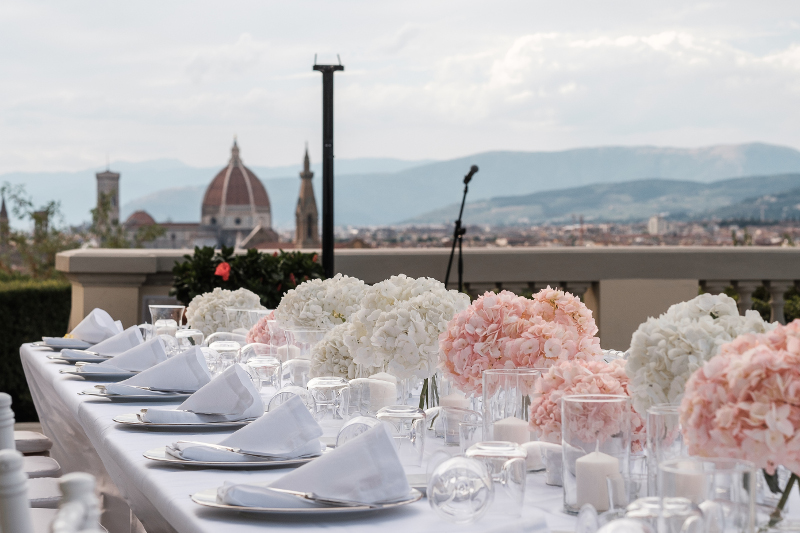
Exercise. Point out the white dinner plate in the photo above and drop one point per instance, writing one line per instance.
(165, 397)
(77, 358)
(100, 375)
(418, 482)
(209, 499)
(63, 344)
(161, 455)
(131, 419)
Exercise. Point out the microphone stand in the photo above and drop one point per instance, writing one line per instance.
(458, 236)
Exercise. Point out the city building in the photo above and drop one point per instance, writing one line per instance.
(657, 225)
(108, 190)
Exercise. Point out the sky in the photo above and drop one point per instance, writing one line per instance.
(84, 81)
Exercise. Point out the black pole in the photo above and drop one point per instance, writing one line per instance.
(458, 235)
(327, 165)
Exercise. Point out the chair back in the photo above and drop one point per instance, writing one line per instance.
(15, 512)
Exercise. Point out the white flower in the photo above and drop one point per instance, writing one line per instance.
(332, 357)
(206, 311)
(666, 350)
(320, 303)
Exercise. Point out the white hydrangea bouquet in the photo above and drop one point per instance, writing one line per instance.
(206, 311)
(665, 351)
(320, 303)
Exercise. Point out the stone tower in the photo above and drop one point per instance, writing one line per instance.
(5, 229)
(306, 232)
(108, 186)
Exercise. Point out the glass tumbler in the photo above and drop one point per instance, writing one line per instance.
(298, 354)
(724, 489)
(268, 370)
(212, 360)
(596, 441)
(507, 397)
(452, 419)
(664, 441)
(407, 426)
(189, 337)
(242, 320)
(166, 318)
(254, 349)
(460, 490)
(355, 427)
(228, 353)
(332, 400)
(286, 392)
(505, 462)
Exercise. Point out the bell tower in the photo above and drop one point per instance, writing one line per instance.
(306, 228)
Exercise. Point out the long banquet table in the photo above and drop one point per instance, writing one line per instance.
(87, 439)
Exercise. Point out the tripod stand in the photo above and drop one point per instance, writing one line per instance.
(458, 235)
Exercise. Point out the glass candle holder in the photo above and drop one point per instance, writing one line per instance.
(470, 433)
(664, 441)
(224, 336)
(596, 440)
(355, 427)
(368, 395)
(166, 318)
(506, 400)
(724, 489)
(332, 402)
(228, 353)
(407, 426)
(460, 490)
(242, 320)
(268, 369)
(505, 462)
(189, 337)
(277, 338)
(297, 353)
(286, 392)
(452, 417)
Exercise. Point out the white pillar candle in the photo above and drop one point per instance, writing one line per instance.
(591, 472)
(384, 376)
(535, 450)
(166, 327)
(689, 485)
(287, 351)
(553, 457)
(381, 394)
(455, 399)
(511, 429)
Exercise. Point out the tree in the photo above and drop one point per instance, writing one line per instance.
(110, 234)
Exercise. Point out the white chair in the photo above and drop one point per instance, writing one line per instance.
(79, 511)
(32, 442)
(15, 514)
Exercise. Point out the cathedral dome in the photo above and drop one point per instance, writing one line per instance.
(236, 199)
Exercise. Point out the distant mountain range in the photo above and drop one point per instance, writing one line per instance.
(738, 198)
(391, 191)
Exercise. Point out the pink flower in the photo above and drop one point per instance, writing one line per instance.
(745, 402)
(508, 331)
(583, 377)
(260, 332)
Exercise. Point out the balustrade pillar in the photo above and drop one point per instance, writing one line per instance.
(746, 288)
(715, 286)
(776, 290)
(577, 288)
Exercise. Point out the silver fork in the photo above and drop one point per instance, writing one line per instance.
(238, 450)
(324, 500)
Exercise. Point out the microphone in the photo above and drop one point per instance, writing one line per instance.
(472, 170)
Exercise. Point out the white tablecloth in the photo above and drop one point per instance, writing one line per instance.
(86, 439)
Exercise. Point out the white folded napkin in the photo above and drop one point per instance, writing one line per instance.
(228, 397)
(365, 470)
(96, 327)
(287, 432)
(119, 343)
(139, 358)
(186, 371)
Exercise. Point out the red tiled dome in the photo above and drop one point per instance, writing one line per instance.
(235, 185)
(140, 218)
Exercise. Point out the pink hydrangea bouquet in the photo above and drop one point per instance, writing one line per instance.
(260, 331)
(745, 402)
(508, 331)
(583, 377)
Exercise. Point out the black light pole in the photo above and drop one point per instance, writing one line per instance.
(458, 235)
(327, 164)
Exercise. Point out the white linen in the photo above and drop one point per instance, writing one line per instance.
(366, 470)
(64, 341)
(287, 432)
(186, 371)
(119, 343)
(96, 327)
(230, 396)
(82, 355)
(136, 359)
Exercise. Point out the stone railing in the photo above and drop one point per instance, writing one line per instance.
(623, 286)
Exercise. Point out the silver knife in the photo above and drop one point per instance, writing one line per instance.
(324, 500)
(239, 450)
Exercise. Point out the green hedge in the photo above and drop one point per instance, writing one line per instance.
(29, 310)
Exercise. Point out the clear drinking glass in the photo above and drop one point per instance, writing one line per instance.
(452, 418)
(505, 462)
(355, 427)
(407, 426)
(166, 318)
(212, 360)
(470, 433)
(460, 490)
(254, 349)
(286, 392)
(664, 441)
(268, 370)
(368, 396)
(332, 400)
(506, 399)
(226, 337)
(189, 337)
(724, 489)
(171, 345)
(228, 353)
(277, 338)
(596, 440)
(298, 353)
(242, 320)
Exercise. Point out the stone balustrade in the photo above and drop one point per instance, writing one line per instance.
(622, 285)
